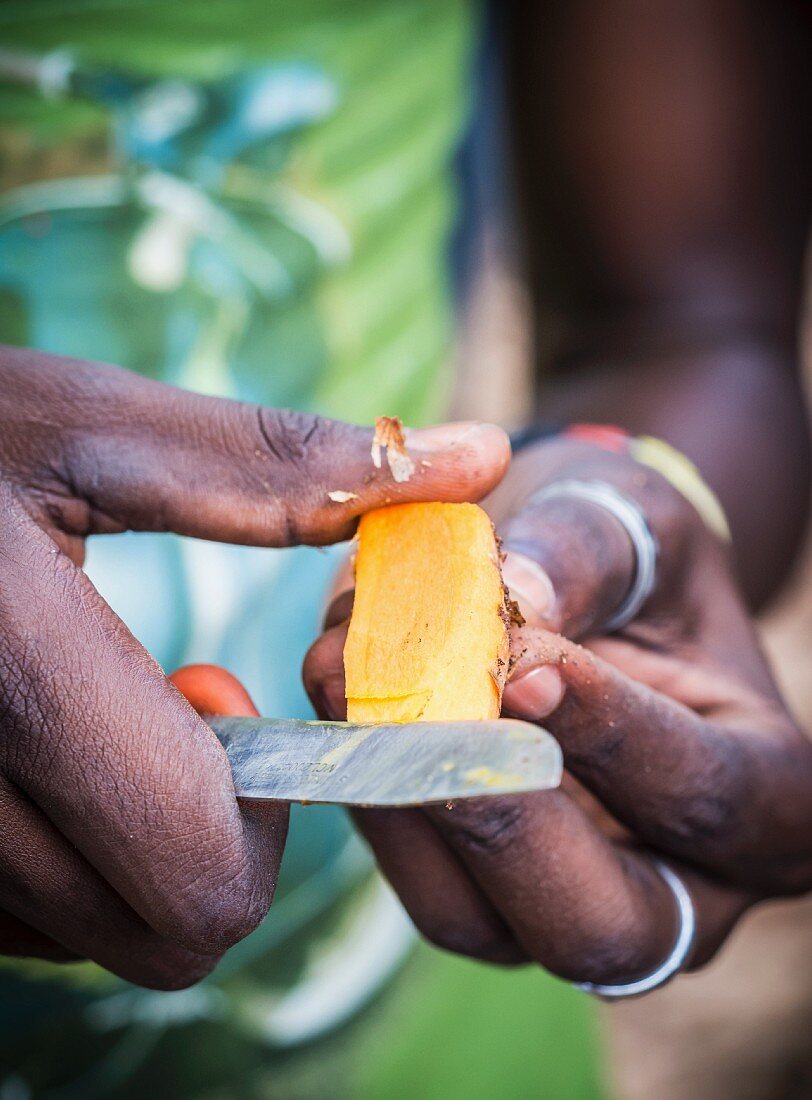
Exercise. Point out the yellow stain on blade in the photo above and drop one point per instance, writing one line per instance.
(487, 777)
(346, 747)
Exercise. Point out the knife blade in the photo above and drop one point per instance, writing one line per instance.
(407, 764)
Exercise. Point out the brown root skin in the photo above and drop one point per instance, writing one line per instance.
(512, 662)
(532, 646)
(499, 675)
(498, 672)
(515, 617)
(389, 437)
(510, 616)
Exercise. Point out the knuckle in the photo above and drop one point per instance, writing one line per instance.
(214, 913)
(704, 820)
(707, 815)
(31, 741)
(602, 750)
(306, 452)
(485, 826)
(289, 436)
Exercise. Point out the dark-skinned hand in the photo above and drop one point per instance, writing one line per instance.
(120, 837)
(675, 740)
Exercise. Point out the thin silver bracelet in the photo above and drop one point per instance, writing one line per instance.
(630, 516)
(679, 953)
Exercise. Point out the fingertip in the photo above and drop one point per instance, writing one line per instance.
(445, 437)
(464, 460)
(323, 673)
(496, 442)
(213, 690)
(535, 694)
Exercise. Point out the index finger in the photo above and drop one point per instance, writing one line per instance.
(132, 453)
(720, 779)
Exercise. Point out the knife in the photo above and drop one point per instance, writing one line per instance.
(405, 764)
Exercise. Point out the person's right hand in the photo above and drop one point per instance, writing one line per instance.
(120, 836)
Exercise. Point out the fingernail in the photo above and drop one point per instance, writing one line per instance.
(443, 436)
(530, 586)
(332, 698)
(536, 694)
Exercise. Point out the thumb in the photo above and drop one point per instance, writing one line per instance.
(142, 455)
(568, 564)
(686, 774)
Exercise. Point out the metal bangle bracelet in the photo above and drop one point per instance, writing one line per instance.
(630, 516)
(679, 953)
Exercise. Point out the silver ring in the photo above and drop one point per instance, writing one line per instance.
(630, 515)
(679, 953)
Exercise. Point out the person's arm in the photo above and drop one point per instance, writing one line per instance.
(663, 155)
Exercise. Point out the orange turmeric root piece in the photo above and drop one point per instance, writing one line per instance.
(428, 637)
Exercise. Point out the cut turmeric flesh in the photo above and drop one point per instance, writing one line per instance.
(428, 637)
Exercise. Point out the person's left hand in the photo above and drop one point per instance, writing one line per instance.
(121, 840)
(674, 737)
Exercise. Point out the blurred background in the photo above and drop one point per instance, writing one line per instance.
(314, 205)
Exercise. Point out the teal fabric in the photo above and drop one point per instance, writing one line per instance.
(326, 274)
